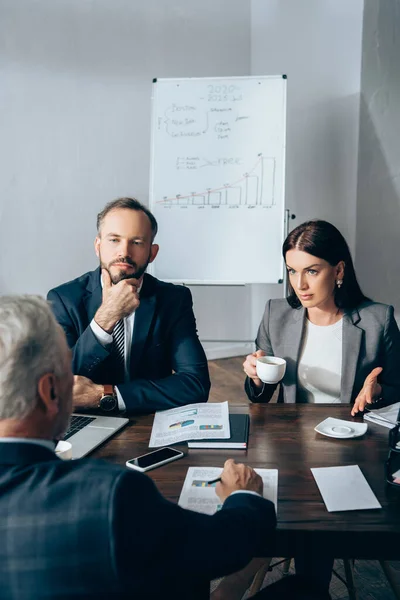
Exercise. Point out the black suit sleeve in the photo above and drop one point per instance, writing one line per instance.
(158, 539)
(189, 382)
(87, 351)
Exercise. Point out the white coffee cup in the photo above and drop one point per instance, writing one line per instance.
(270, 369)
(64, 450)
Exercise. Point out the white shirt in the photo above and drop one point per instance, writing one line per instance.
(319, 368)
(106, 339)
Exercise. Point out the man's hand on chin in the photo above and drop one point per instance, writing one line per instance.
(86, 393)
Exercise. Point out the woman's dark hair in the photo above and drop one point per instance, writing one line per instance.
(323, 240)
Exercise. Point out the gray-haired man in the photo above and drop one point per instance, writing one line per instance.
(87, 529)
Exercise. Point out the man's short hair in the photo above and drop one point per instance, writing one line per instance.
(131, 204)
(29, 348)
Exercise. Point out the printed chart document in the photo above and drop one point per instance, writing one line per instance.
(344, 488)
(198, 495)
(386, 416)
(191, 422)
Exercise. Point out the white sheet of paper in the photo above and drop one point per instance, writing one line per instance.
(387, 416)
(200, 497)
(190, 422)
(344, 488)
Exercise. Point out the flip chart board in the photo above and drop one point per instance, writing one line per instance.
(217, 178)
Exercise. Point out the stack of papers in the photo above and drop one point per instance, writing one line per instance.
(191, 422)
(199, 495)
(387, 416)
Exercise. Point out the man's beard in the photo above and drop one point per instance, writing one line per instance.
(137, 272)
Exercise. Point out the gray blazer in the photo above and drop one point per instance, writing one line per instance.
(371, 339)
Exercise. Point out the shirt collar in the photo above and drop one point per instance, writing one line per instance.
(39, 442)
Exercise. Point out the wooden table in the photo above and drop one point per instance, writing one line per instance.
(282, 436)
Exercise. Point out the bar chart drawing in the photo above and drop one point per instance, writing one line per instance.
(255, 187)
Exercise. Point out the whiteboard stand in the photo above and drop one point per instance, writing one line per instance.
(288, 216)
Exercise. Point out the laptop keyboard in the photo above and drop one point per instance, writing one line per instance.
(77, 423)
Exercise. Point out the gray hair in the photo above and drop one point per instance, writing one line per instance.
(29, 348)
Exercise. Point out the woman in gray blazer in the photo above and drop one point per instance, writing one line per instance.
(339, 346)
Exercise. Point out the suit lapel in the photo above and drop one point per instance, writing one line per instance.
(143, 319)
(94, 294)
(23, 453)
(110, 367)
(351, 343)
(295, 329)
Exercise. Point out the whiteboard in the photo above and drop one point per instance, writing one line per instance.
(217, 179)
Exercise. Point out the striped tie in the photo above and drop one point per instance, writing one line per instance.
(119, 349)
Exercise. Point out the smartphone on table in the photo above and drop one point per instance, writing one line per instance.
(154, 459)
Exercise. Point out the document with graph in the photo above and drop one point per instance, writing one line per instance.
(199, 495)
(190, 422)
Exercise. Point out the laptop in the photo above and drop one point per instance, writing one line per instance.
(86, 432)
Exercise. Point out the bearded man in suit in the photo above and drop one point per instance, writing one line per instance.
(133, 337)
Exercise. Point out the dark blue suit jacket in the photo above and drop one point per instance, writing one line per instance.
(164, 341)
(87, 529)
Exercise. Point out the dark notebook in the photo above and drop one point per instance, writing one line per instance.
(239, 426)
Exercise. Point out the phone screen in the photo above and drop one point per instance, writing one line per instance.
(155, 457)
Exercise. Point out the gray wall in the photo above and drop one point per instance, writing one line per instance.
(318, 44)
(378, 199)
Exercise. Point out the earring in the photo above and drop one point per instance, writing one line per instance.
(339, 283)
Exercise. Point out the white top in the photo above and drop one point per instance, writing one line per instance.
(320, 364)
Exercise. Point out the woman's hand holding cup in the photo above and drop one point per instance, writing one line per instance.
(250, 367)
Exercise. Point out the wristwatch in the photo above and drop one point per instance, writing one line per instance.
(108, 402)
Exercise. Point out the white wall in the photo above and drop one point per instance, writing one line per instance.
(378, 204)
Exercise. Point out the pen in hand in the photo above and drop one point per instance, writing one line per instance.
(214, 480)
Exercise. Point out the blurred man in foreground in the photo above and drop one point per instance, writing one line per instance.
(88, 529)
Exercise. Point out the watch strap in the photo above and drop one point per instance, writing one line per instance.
(108, 390)
(109, 400)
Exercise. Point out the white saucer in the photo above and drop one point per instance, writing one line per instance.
(338, 428)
